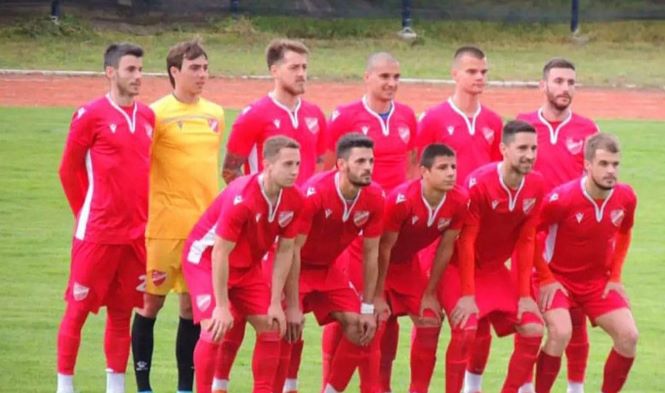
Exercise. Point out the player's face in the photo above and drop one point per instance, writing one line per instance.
(127, 77)
(192, 75)
(441, 176)
(559, 87)
(520, 153)
(603, 169)
(359, 166)
(382, 80)
(470, 74)
(284, 169)
(291, 73)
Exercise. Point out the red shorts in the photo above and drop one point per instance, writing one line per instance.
(248, 292)
(591, 301)
(405, 283)
(496, 298)
(110, 275)
(327, 289)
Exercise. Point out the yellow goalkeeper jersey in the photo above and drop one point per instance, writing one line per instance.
(184, 165)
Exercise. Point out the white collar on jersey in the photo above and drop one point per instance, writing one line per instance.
(272, 210)
(599, 210)
(347, 209)
(385, 125)
(512, 199)
(431, 213)
(131, 123)
(554, 133)
(470, 125)
(292, 115)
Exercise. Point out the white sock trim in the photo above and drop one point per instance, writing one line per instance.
(290, 384)
(472, 382)
(220, 384)
(65, 383)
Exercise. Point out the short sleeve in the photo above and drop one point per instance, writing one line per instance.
(244, 133)
(311, 204)
(337, 126)
(292, 228)
(396, 212)
(551, 210)
(426, 129)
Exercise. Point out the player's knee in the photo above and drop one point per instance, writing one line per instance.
(531, 330)
(151, 305)
(626, 341)
(186, 311)
(559, 333)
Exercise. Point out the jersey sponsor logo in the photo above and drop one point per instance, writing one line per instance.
(158, 277)
(617, 217)
(257, 217)
(113, 127)
(80, 113)
(276, 122)
(311, 191)
(405, 134)
(472, 182)
(554, 197)
(414, 220)
(312, 124)
(495, 203)
(361, 218)
(203, 302)
(328, 212)
(148, 130)
(574, 146)
(488, 133)
(80, 292)
(528, 204)
(400, 198)
(334, 115)
(450, 129)
(285, 218)
(237, 199)
(579, 216)
(443, 223)
(213, 124)
(364, 129)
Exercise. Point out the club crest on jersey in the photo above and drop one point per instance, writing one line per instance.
(276, 122)
(617, 217)
(113, 127)
(80, 292)
(203, 302)
(579, 216)
(312, 124)
(443, 223)
(495, 203)
(414, 220)
(328, 212)
(573, 146)
(528, 204)
(405, 134)
(450, 129)
(364, 130)
(488, 133)
(361, 218)
(237, 199)
(148, 130)
(311, 191)
(285, 218)
(400, 198)
(213, 124)
(158, 277)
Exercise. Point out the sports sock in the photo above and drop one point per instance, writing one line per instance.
(344, 362)
(577, 351)
(142, 348)
(205, 354)
(186, 338)
(472, 382)
(265, 361)
(521, 362)
(69, 338)
(115, 382)
(527, 387)
(219, 384)
(294, 361)
(332, 334)
(368, 368)
(423, 357)
(290, 385)
(283, 364)
(65, 383)
(117, 340)
(480, 350)
(457, 357)
(575, 387)
(389, 343)
(229, 349)
(616, 371)
(547, 370)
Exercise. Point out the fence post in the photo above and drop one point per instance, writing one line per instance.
(575, 17)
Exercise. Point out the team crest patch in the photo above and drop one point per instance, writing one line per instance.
(80, 292)
(617, 217)
(574, 146)
(443, 223)
(404, 133)
(364, 130)
(450, 129)
(113, 127)
(528, 204)
(213, 124)
(203, 302)
(312, 124)
(148, 130)
(158, 277)
(285, 218)
(361, 218)
(488, 133)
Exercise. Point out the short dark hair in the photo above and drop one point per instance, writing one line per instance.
(557, 62)
(190, 50)
(277, 48)
(470, 50)
(273, 145)
(600, 141)
(351, 140)
(514, 127)
(433, 151)
(116, 51)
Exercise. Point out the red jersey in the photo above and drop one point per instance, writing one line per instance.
(417, 223)
(581, 231)
(104, 170)
(266, 118)
(331, 222)
(475, 140)
(394, 137)
(560, 146)
(244, 215)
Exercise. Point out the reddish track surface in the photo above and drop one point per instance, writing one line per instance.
(37, 90)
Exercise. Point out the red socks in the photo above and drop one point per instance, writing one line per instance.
(480, 351)
(69, 338)
(577, 351)
(332, 334)
(296, 356)
(616, 371)
(389, 342)
(229, 349)
(283, 364)
(457, 356)
(117, 340)
(205, 354)
(423, 357)
(265, 361)
(521, 362)
(347, 357)
(547, 370)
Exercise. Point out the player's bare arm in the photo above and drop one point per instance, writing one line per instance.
(443, 254)
(294, 315)
(370, 272)
(386, 244)
(281, 267)
(221, 320)
(232, 167)
(466, 305)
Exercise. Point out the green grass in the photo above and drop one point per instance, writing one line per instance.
(617, 53)
(34, 247)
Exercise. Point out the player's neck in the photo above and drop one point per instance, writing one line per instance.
(432, 195)
(185, 97)
(378, 106)
(554, 115)
(467, 103)
(285, 98)
(347, 189)
(120, 99)
(511, 179)
(594, 191)
(270, 188)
